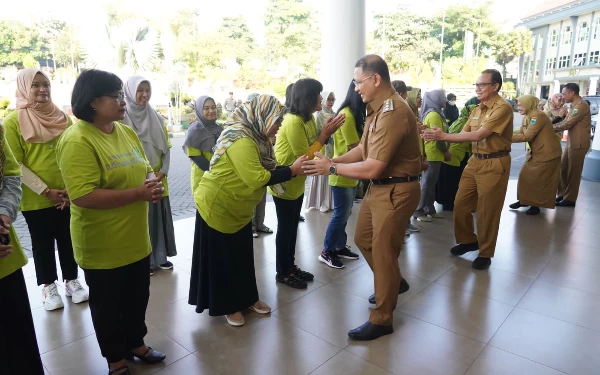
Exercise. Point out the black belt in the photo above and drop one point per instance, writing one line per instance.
(492, 156)
(394, 180)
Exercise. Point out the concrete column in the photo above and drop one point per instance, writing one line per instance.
(545, 34)
(556, 87)
(590, 36)
(573, 39)
(593, 85)
(343, 43)
(561, 38)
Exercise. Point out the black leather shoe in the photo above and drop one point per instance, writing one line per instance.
(516, 205)
(404, 287)
(463, 248)
(150, 356)
(370, 331)
(482, 263)
(565, 203)
(112, 372)
(533, 210)
(558, 199)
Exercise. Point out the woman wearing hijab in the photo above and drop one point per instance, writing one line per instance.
(32, 131)
(19, 352)
(554, 105)
(202, 137)
(451, 110)
(414, 100)
(150, 128)
(451, 171)
(539, 175)
(436, 153)
(319, 192)
(223, 279)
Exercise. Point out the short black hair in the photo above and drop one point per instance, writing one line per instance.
(90, 85)
(496, 77)
(572, 87)
(305, 97)
(288, 96)
(372, 64)
(399, 86)
(357, 106)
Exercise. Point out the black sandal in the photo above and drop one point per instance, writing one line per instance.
(154, 357)
(112, 372)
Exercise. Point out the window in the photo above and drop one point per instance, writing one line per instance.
(563, 62)
(583, 31)
(536, 73)
(579, 59)
(594, 57)
(550, 64)
(597, 29)
(553, 38)
(567, 35)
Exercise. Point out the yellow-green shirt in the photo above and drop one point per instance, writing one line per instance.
(293, 140)
(90, 159)
(17, 259)
(229, 192)
(344, 137)
(197, 173)
(40, 158)
(434, 120)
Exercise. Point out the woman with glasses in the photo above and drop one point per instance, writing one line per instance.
(110, 183)
(150, 128)
(319, 193)
(33, 131)
(298, 136)
(223, 279)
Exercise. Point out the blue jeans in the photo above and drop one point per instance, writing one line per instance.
(343, 199)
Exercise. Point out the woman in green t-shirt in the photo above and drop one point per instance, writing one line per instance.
(33, 131)
(110, 183)
(19, 352)
(298, 136)
(436, 153)
(151, 130)
(223, 279)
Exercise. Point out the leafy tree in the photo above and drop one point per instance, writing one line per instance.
(66, 42)
(239, 41)
(17, 41)
(511, 45)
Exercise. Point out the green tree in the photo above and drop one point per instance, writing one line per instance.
(17, 41)
(66, 43)
(511, 45)
(238, 39)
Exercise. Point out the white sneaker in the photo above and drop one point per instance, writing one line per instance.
(74, 290)
(412, 228)
(51, 298)
(425, 219)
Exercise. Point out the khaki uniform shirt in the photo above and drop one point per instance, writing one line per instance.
(391, 136)
(537, 130)
(496, 115)
(578, 123)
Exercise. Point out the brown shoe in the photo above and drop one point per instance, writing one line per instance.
(236, 320)
(260, 307)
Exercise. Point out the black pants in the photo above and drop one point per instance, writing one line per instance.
(19, 352)
(287, 231)
(45, 227)
(118, 301)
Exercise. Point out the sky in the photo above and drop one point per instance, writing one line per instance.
(507, 12)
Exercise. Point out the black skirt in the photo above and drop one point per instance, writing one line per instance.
(223, 279)
(447, 185)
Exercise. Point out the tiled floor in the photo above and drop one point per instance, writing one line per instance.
(536, 311)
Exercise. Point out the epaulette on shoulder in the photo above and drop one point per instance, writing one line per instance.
(388, 105)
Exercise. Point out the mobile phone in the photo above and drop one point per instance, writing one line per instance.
(4, 239)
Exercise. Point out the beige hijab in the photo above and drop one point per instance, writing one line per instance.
(39, 122)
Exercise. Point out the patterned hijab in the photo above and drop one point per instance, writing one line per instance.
(553, 106)
(253, 120)
(411, 99)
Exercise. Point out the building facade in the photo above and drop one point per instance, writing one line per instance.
(566, 48)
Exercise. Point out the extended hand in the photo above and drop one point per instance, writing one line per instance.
(434, 134)
(318, 166)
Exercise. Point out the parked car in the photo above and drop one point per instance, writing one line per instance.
(595, 119)
(594, 103)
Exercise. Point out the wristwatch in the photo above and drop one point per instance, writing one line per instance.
(333, 169)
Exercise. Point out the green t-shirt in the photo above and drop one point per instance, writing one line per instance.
(229, 192)
(197, 173)
(40, 158)
(90, 159)
(17, 259)
(344, 137)
(434, 120)
(293, 140)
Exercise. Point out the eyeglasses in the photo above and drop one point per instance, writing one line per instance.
(119, 97)
(482, 84)
(358, 83)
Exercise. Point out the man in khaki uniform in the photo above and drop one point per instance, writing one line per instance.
(483, 184)
(389, 156)
(578, 122)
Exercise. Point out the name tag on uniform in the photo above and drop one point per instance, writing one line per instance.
(475, 118)
(372, 126)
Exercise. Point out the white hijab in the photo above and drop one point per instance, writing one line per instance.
(146, 122)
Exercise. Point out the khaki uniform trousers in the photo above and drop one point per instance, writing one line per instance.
(482, 188)
(571, 168)
(382, 220)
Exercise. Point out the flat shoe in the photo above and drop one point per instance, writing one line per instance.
(370, 331)
(236, 321)
(261, 308)
(152, 357)
(425, 219)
